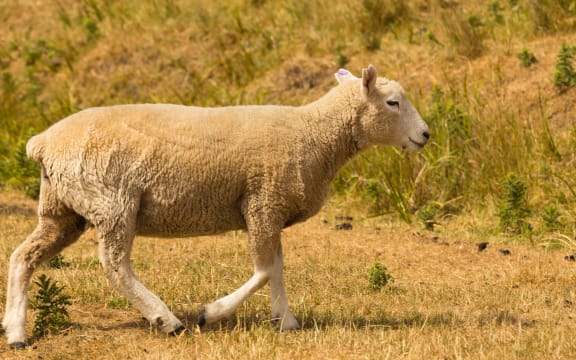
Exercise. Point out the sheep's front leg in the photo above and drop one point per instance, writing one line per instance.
(266, 254)
(279, 300)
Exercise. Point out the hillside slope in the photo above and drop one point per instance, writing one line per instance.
(490, 115)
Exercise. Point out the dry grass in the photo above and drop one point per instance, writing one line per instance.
(448, 300)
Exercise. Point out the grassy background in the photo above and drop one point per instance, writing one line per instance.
(493, 79)
(491, 111)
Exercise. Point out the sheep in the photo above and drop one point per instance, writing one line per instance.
(177, 171)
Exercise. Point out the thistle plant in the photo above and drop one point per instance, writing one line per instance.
(564, 74)
(514, 209)
(50, 302)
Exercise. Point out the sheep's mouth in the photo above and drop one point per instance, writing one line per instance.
(419, 144)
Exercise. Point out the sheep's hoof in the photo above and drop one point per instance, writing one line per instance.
(179, 330)
(288, 323)
(18, 345)
(202, 317)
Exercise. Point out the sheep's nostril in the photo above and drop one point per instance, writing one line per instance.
(426, 134)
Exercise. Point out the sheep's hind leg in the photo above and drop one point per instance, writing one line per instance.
(53, 233)
(226, 306)
(114, 251)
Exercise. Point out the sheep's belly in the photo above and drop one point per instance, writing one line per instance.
(174, 222)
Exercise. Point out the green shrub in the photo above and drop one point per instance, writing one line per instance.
(119, 302)
(20, 172)
(564, 75)
(379, 277)
(448, 161)
(467, 33)
(550, 217)
(427, 216)
(57, 262)
(514, 209)
(550, 16)
(50, 302)
(527, 58)
(496, 10)
(378, 17)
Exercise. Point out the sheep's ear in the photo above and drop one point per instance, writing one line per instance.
(368, 80)
(344, 75)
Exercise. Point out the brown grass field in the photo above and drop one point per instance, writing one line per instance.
(447, 301)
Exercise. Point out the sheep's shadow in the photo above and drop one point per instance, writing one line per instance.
(384, 320)
(79, 326)
(310, 320)
(315, 320)
(318, 320)
(125, 325)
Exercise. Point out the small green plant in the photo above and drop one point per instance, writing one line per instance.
(374, 193)
(467, 33)
(21, 172)
(118, 302)
(91, 16)
(431, 37)
(50, 302)
(551, 216)
(564, 74)
(57, 262)
(377, 17)
(379, 277)
(341, 58)
(527, 58)
(428, 215)
(514, 208)
(496, 10)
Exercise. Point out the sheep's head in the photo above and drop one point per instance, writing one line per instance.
(389, 117)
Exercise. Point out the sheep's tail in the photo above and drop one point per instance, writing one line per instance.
(35, 148)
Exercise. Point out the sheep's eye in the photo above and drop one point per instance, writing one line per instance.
(393, 103)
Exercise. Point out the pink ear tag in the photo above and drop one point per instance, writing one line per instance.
(344, 75)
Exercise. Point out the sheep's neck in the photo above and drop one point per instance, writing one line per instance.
(333, 131)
